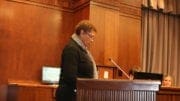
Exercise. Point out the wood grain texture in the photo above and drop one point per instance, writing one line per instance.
(130, 90)
(30, 36)
(34, 32)
(30, 92)
(56, 4)
(33, 37)
(135, 3)
(116, 90)
(81, 12)
(118, 37)
(168, 94)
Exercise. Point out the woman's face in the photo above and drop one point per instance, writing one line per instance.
(167, 82)
(87, 37)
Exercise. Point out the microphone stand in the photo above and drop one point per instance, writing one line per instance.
(119, 68)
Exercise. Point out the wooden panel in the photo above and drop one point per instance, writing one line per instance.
(31, 36)
(30, 92)
(114, 95)
(116, 90)
(178, 6)
(168, 94)
(56, 4)
(136, 3)
(31, 40)
(106, 72)
(118, 36)
(81, 12)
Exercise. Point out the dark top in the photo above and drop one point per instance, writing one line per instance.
(76, 63)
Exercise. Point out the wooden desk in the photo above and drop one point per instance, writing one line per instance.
(168, 94)
(30, 91)
(116, 90)
(120, 90)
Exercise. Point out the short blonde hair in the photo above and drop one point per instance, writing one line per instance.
(167, 76)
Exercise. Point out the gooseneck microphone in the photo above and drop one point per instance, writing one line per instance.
(115, 64)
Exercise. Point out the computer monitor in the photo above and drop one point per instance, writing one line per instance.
(148, 76)
(50, 75)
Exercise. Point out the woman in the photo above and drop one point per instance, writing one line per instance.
(77, 61)
(167, 81)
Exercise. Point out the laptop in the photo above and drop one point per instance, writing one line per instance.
(148, 76)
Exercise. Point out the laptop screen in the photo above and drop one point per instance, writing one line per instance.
(50, 75)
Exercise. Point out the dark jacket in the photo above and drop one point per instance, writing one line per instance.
(76, 63)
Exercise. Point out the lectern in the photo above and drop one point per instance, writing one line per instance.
(116, 90)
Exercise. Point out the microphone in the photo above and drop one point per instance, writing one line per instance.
(119, 68)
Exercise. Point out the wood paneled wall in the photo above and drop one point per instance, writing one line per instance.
(119, 32)
(178, 7)
(81, 11)
(33, 33)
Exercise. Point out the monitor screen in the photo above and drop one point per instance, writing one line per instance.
(50, 74)
(148, 76)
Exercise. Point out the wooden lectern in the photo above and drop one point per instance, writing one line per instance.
(116, 90)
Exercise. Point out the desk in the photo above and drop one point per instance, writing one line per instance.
(30, 91)
(168, 94)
